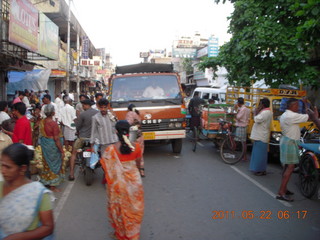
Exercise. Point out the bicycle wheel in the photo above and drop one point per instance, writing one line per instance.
(231, 151)
(308, 176)
(195, 138)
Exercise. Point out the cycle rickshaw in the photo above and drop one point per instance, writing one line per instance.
(216, 125)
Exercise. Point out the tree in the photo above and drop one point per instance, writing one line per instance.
(272, 40)
(187, 65)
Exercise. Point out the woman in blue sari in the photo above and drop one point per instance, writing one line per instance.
(25, 206)
(51, 142)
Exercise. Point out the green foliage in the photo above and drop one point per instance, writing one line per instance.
(187, 65)
(272, 40)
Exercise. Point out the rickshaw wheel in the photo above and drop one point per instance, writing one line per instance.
(308, 176)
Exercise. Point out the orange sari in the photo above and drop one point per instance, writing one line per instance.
(125, 194)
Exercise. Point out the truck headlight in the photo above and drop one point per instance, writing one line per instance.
(178, 125)
(171, 125)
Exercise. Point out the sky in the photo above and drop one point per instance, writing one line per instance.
(127, 27)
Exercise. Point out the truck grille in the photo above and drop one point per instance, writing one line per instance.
(157, 127)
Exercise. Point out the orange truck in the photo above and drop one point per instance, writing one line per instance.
(156, 92)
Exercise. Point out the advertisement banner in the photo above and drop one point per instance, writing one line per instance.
(85, 47)
(90, 62)
(23, 24)
(62, 59)
(184, 52)
(48, 38)
(58, 73)
(213, 47)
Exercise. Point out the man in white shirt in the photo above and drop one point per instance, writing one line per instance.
(98, 96)
(68, 115)
(47, 100)
(3, 111)
(153, 91)
(289, 152)
(260, 134)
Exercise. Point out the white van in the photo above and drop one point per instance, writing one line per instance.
(206, 93)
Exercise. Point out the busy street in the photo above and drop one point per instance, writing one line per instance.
(183, 195)
(159, 120)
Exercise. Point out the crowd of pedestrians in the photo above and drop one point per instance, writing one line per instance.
(35, 119)
(293, 115)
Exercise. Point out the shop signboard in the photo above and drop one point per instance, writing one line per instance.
(213, 47)
(184, 52)
(90, 62)
(48, 37)
(85, 47)
(23, 24)
(202, 52)
(58, 73)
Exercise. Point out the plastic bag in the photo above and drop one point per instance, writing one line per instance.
(94, 157)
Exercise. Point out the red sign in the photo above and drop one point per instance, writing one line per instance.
(90, 62)
(101, 71)
(58, 73)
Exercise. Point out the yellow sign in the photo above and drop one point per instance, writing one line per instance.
(149, 135)
(288, 92)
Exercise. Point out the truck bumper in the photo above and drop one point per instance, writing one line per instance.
(161, 135)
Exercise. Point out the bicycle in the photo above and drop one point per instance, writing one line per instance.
(231, 149)
(194, 133)
(309, 170)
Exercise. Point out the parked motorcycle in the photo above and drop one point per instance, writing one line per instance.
(309, 166)
(87, 167)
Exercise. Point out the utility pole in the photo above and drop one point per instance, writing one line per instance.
(68, 49)
(3, 73)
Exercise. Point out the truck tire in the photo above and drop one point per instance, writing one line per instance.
(177, 145)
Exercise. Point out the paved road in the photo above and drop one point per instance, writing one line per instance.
(194, 196)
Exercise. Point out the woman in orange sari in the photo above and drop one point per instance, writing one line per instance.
(121, 162)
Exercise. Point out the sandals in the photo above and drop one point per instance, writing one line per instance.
(289, 192)
(284, 198)
(70, 178)
(261, 173)
(141, 170)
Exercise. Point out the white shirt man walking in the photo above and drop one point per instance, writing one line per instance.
(68, 115)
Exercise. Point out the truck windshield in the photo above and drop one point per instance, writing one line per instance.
(276, 109)
(141, 88)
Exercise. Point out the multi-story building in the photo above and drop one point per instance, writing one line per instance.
(42, 43)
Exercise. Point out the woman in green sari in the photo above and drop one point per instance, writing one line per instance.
(51, 142)
(25, 206)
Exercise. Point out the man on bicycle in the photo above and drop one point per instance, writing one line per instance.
(194, 110)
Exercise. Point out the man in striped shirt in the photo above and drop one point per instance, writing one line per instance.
(103, 127)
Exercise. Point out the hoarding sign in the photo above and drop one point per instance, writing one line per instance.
(23, 24)
(213, 47)
(202, 52)
(184, 52)
(90, 63)
(144, 54)
(58, 73)
(48, 37)
(85, 47)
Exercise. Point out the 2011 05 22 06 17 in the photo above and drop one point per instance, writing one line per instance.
(259, 214)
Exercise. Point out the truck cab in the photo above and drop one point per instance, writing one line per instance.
(156, 92)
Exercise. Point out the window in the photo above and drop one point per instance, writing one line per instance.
(205, 95)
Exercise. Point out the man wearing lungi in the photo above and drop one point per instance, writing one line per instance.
(242, 121)
(289, 152)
